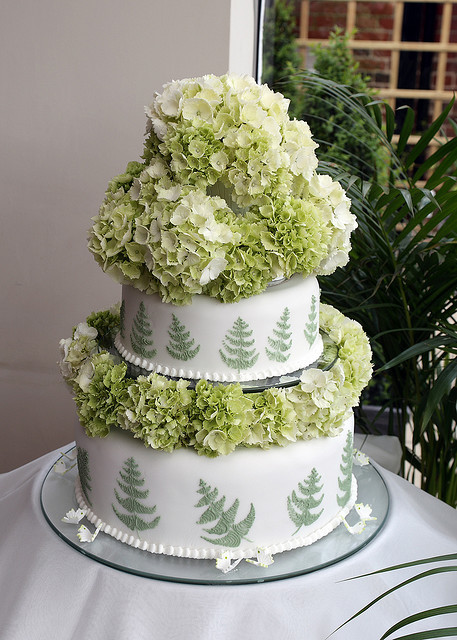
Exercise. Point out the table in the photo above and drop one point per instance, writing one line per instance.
(50, 591)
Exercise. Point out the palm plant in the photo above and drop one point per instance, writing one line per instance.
(401, 281)
(429, 614)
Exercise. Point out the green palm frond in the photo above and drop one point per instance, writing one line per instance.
(401, 279)
(450, 559)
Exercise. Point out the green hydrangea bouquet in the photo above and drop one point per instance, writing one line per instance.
(214, 419)
(227, 197)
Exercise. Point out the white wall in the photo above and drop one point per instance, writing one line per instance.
(74, 78)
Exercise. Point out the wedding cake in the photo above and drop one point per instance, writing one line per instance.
(215, 401)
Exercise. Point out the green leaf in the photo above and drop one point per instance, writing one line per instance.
(406, 129)
(445, 156)
(428, 136)
(390, 121)
(423, 615)
(406, 565)
(417, 349)
(424, 574)
(438, 391)
(433, 633)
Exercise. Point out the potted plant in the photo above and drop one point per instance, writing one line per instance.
(401, 280)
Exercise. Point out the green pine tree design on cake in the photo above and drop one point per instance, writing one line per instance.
(345, 479)
(140, 336)
(130, 483)
(181, 346)
(311, 325)
(237, 346)
(300, 508)
(84, 473)
(122, 319)
(280, 344)
(228, 532)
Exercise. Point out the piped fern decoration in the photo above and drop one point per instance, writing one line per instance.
(84, 473)
(230, 533)
(237, 344)
(181, 345)
(122, 319)
(345, 479)
(140, 336)
(300, 508)
(280, 344)
(312, 324)
(130, 485)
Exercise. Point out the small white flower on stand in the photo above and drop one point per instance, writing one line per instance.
(85, 535)
(60, 467)
(73, 517)
(264, 559)
(356, 528)
(225, 564)
(360, 458)
(364, 513)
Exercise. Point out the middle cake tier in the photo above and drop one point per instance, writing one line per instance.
(270, 334)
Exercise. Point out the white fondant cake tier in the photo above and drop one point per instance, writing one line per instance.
(270, 334)
(192, 506)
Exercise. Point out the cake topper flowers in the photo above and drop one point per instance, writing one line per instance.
(227, 197)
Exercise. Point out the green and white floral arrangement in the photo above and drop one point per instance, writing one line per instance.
(214, 419)
(227, 197)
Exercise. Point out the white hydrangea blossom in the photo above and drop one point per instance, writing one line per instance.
(221, 132)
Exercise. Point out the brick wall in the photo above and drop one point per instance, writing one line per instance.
(375, 21)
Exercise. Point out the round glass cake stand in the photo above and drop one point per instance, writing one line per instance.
(58, 497)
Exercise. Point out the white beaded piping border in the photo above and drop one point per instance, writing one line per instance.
(216, 376)
(212, 553)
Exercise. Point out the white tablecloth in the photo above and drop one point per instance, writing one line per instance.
(50, 591)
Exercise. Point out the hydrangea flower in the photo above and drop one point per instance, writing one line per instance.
(214, 419)
(227, 193)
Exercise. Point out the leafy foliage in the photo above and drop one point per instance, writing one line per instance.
(107, 324)
(341, 133)
(281, 58)
(401, 281)
(450, 566)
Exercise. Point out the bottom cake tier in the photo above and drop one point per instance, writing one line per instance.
(192, 506)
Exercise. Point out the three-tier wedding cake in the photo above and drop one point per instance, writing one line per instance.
(215, 402)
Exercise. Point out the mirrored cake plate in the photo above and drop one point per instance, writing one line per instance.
(58, 497)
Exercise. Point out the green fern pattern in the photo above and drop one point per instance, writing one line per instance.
(345, 479)
(181, 346)
(122, 319)
(300, 508)
(281, 344)
(311, 325)
(140, 336)
(130, 483)
(237, 344)
(229, 532)
(84, 473)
